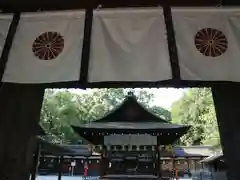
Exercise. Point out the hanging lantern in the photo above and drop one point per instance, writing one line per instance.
(138, 148)
(97, 161)
(108, 148)
(82, 161)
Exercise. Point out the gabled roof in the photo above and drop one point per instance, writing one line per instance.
(130, 111)
(131, 117)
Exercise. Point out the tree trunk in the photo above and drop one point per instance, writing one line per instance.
(20, 111)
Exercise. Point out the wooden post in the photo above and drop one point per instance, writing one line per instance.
(174, 166)
(36, 161)
(158, 158)
(188, 164)
(226, 99)
(20, 111)
(60, 163)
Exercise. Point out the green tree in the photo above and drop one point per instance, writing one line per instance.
(62, 108)
(196, 108)
(161, 112)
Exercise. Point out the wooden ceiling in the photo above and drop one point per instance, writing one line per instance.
(35, 5)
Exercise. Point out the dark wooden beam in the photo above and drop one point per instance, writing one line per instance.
(226, 100)
(29, 5)
(20, 111)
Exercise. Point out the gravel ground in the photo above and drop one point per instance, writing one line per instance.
(77, 178)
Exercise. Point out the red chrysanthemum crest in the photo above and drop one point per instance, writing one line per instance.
(48, 45)
(211, 42)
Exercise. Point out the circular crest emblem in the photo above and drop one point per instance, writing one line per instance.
(48, 45)
(211, 42)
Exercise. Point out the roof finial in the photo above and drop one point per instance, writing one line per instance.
(131, 94)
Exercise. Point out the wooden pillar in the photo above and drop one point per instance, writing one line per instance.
(226, 99)
(102, 166)
(159, 164)
(36, 161)
(60, 164)
(188, 164)
(20, 111)
(158, 158)
(174, 162)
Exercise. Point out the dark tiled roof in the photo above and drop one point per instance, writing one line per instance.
(77, 150)
(53, 149)
(191, 151)
(213, 157)
(131, 125)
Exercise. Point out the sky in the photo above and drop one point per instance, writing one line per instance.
(164, 97)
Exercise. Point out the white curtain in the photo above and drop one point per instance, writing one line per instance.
(46, 48)
(208, 43)
(129, 45)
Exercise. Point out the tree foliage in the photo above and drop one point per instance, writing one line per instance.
(196, 108)
(62, 108)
